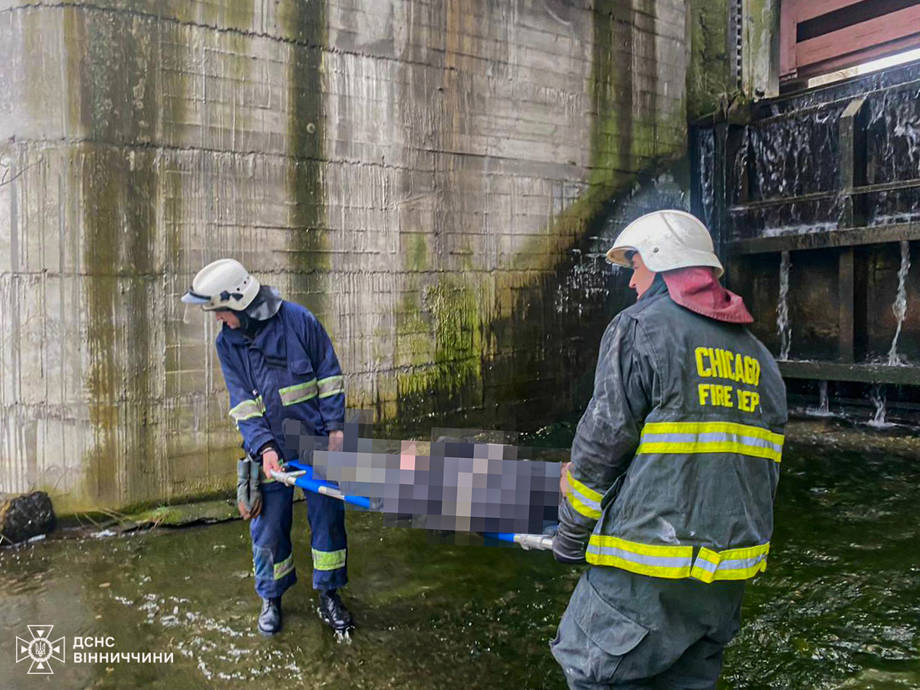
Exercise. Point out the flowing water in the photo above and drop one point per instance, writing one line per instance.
(900, 303)
(839, 606)
(783, 327)
(878, 398)
(824, 404)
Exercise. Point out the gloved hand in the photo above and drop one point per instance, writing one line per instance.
(567, 548)
(248, 488)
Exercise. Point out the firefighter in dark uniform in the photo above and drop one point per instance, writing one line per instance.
(287, 398)
(674, 467)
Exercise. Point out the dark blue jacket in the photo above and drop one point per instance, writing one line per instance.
(283, 382)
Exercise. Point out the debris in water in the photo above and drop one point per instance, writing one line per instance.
(24, 517)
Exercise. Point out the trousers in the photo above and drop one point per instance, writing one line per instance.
(272, 552)
(624, 630)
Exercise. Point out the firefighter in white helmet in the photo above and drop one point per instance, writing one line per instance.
(669, 492)
(287, 398)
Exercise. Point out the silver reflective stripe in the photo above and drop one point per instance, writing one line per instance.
(731, 564)
(742, 564)
(682, 438)
(652, 561)
(583, 498)
(593, 505)
(246, 410)
(291, 395)
(331, 386)
(284, 567)
(713, 437)
(705, 565)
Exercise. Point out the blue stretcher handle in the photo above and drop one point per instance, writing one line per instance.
(305, 480)
(540, 542)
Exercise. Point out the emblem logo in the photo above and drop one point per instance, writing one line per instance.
(41, 649)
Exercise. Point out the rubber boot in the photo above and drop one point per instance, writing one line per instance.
(333, 613)
(270, 617)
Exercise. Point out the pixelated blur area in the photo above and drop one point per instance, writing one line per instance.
(463, 480)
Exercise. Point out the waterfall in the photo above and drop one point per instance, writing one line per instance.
(783, 327)
(824, 408)
(877, 396)
(900, 303)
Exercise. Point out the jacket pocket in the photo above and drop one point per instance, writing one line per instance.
(303, 385)
(594, 636)
(302, 368)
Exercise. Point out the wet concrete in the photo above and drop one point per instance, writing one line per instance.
(839, 605)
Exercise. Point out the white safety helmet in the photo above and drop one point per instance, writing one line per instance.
(666, 240)
(222, 284)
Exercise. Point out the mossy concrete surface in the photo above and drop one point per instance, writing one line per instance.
(420, 175)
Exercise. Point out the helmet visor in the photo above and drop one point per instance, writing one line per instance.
(621, 256)
(191, 297)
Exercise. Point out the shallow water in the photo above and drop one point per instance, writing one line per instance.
(839, 605)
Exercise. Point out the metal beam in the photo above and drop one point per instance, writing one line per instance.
(845, 304)
(863, 373)
(850, 237)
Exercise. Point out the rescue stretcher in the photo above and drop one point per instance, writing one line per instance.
(302, 476)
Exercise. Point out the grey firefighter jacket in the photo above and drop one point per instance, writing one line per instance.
(675, 461)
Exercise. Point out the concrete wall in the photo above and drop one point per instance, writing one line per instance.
(416, 172)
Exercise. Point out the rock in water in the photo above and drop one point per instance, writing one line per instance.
(26, 516)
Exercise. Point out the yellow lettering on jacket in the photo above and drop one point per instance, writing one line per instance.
(701, 368)
(725, 364)
(714, 394)
(748, 401)
(733, 366)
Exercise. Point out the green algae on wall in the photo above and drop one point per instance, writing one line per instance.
(308, 244)
(439, 344)
(760, 38)
(630, 132)
(118, 188)
(709, 74)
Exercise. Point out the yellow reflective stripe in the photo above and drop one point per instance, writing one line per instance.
(710, 447)
(663, 550)
(583, 499)
(704, 427)
(247, 409)
(730, 564)
(710, 437)
(332, 385)
(588, 510)
(656, 560)
(284, 567)
(328, 560)
(585, 491)
(291, 395)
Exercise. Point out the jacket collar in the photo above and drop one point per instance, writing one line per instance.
(697, 289)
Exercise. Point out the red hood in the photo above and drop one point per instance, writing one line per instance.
(697, 289)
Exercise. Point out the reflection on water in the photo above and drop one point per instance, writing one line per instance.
(838, 607)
